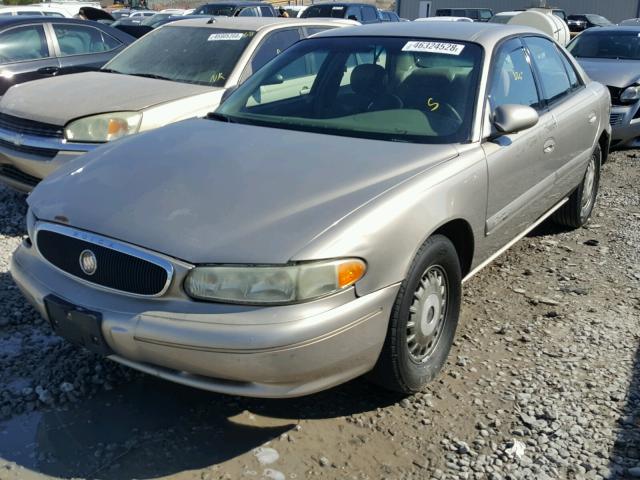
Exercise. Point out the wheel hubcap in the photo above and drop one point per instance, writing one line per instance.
(427, 314)
(587, 188)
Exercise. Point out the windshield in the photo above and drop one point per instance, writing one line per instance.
(610, 44)
(153, 19)
(326, 11)
(384, 88)
(203, 56)
(598, 20)
(218, 10)
(501, 18)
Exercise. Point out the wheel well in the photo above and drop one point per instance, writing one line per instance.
(461, 235)
(604, 142)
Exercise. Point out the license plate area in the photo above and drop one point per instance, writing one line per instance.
(76, 324)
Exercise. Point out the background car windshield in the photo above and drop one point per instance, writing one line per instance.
(618, 45)
(217, 10)
(501, 18)
(326, 11)
(204, 56)
(383, 88)
(598, 20)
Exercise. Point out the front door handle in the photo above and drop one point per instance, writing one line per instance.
(592, 118)
(549, 145)
(49, 70)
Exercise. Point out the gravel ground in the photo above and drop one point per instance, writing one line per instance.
(543, 382)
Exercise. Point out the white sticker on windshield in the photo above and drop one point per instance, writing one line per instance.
(224, 36)
(434, 47)
(337, 8)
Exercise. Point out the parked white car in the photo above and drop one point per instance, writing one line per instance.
(175, 72)
(30, 10)
(443, 19)
(71, 7)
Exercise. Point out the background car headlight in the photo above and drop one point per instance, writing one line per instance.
(631, 94)
(104, 127)
(273, 285)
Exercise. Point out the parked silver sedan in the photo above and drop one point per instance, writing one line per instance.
(307, 234)
(611, 56)
(176, 72)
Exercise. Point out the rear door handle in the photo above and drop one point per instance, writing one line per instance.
(49, 70)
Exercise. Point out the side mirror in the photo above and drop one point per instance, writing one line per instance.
(513, 118)
(276, 79)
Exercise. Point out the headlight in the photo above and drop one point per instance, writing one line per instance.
(273, 285)
(631, 94)
(103, 128)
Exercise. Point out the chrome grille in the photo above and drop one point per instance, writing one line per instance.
(616, 119)
(30, 127)
(119, 266)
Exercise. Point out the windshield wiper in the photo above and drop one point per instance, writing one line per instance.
(151, 75)
(220, 117)
(110, 70)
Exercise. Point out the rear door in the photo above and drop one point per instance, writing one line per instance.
(519, 176)
(26, 54)
(574, 109)
(82, 47)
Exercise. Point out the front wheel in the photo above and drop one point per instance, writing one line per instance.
(578, 208)
(424, 319)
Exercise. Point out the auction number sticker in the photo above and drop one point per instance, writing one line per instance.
(434, 47)
(224, 36)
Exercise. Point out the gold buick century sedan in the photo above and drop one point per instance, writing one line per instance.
(320, 227)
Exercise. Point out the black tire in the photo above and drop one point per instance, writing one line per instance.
(397, 368)
(572, 214)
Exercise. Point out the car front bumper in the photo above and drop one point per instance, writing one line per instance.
(27, 159)
(279, 351)
(625, 128)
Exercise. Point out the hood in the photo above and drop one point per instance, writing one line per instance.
(81, 94)
(207, 192)
(611, 72)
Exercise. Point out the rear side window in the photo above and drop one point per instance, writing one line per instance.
(30, 14)
(512, 80)
(248, 12)
(22, 44)
(354, 13)
(266, 12)
(369, 14)
(553, 75)
(79, 40)
(272, 46)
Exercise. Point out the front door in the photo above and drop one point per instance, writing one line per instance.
(520, 175)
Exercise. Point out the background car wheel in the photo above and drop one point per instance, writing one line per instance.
(423, 320)
(578, 208)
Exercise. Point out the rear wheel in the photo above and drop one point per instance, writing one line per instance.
(578, 208)
(424, 319)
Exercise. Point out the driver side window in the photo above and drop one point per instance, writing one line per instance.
(512, 81)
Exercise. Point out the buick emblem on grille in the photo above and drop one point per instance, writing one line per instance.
(88, 262)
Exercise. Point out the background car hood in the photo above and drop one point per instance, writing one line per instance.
(81, 94)
(206, 191)
(616, 73)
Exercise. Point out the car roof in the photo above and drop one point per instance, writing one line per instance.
(259, 23)
(244, 3)
(340, 4)
(19, 19)
(486, 34)
(614, 29)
